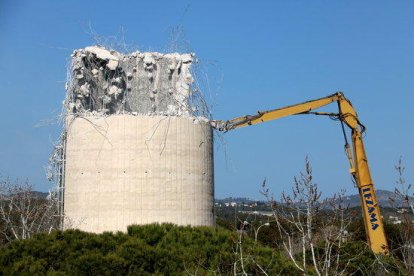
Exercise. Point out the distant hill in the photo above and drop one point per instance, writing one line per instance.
(383, 197)
(238, 200)
(39, 194)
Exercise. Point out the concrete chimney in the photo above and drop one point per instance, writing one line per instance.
(136, 149)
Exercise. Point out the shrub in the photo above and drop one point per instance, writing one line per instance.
(149, 249)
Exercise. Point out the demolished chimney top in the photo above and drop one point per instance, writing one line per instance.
(108, 82)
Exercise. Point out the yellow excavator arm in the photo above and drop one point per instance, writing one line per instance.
(357, 157)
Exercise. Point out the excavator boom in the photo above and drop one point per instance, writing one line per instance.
(357, 157)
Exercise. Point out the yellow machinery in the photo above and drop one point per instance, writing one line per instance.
(357, 158)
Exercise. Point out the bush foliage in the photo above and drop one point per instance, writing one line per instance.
(144, 250)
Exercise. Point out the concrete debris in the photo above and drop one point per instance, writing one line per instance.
(84, 89)
(114, 90)
(104, 54)
(112, 64)
(108, 82)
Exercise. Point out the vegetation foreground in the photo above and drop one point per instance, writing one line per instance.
(157, 249)
(301, 234)
(150, 249)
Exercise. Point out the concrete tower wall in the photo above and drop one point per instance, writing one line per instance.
(131, 169)
(138, 145)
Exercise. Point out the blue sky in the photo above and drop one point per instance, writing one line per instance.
(258, 55)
